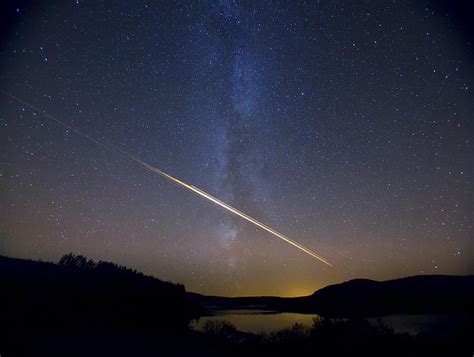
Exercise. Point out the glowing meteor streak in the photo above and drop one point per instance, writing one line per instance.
(179, 182)
(233, 210)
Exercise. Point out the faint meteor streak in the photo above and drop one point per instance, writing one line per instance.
(177, 181)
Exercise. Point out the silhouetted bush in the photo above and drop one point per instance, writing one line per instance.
(356, 329)
(219, 328)
(293, 334)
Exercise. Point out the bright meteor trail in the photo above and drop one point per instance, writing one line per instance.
(233, 210)
(177, 181)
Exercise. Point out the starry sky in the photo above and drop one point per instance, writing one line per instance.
(347, 126)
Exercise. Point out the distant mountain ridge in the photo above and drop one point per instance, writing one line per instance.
(415, 294)
(364, 297)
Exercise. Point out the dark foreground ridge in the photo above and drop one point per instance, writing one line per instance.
(83, 308)
(78, 292)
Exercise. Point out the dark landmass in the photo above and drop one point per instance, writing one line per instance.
(78, 292)
(83, 308)
(421, 294)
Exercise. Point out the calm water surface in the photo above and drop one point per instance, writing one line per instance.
(256, 321)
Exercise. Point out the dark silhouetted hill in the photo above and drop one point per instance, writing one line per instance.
(78, 292)
(416, 294)
(363, 297)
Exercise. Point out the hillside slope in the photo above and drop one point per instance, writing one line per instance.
(79, 292)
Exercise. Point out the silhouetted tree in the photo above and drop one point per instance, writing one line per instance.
(76, 261)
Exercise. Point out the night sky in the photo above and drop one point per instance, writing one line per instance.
(347, 126)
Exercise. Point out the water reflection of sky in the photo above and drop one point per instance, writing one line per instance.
(256, 321)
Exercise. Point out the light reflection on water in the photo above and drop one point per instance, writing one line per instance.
(257, 321)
